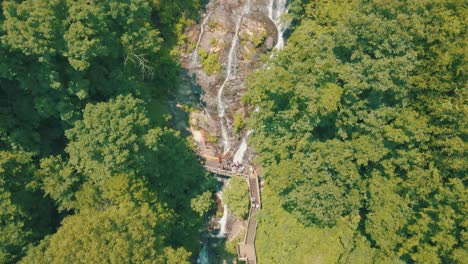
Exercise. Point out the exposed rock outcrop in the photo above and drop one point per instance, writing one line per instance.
(257, 34)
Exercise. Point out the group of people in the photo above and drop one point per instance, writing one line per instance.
(230, 165)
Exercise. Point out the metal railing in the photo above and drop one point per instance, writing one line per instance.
(225, 172)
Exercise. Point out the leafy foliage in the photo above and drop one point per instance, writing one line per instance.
(76, 80)
(209, 61)
(124, 233)
(236, 196)
(25, 217)
(114, 144)
(360, 115)
(59, 55)
(238, 124)
(202, 203)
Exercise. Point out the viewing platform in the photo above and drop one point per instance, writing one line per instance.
(211, 164)
(246, 249)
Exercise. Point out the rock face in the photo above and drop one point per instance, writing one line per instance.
(234, 33)
(256, 28)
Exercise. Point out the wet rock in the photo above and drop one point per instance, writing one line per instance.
(270, 43)
(257, 35)
(192, 33)
(256, 28)
(233, 4)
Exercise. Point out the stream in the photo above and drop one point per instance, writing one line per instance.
(230, 29)
(195, 62)
(229, 71)
(276, 9)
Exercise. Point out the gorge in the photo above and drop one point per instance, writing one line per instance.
(237, 33)
(227, 131)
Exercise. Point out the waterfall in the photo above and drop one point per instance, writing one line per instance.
(270, 10)
(239, 156)
(203, 256)
(229, 70)
(275, 10)
(223, 221)
(194, 58)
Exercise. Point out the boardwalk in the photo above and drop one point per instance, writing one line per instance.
(245, 250)
(211, 164)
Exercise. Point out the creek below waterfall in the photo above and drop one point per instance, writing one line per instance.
(232, 36)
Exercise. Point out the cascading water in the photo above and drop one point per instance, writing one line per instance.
(203, 256)
(239, 156)
(194, 62)
(229, 70)
(223, 222)
(276, 9)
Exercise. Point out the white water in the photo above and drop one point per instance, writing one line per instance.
(276, 9)
(229, 70)
(239, 156)
(194, 58)
(223, 221)
(203, 256)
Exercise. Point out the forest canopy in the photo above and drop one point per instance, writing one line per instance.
(85, 159)
(362, 132)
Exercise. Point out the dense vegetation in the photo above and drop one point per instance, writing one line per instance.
(236, 196)
(89, 169)
(362, 134)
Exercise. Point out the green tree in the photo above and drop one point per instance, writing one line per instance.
(60, 59)
(109, 139)
(123, 233)
(115, 143)
(79, 52)
(362, 117)
(236, 196)
(238, 124)
(203, 203)
(209, 61)
(25, 216)
(59, 181)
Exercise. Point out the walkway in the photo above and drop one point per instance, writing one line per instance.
(245, 250)
(211, 164)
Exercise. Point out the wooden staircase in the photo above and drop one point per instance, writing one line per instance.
(246, 250)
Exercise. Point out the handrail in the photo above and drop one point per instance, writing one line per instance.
(248, 223)
(246, 248)
(225, 172)
(258, 188)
